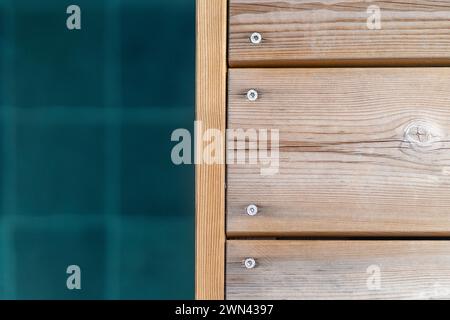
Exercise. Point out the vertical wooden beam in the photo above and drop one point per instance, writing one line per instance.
(210, 179)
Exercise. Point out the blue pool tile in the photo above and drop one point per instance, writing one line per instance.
(158, 54)
(2, 168)
(54, 66)
(3, 45)
(42, 256)
(60, 168)
(163, 271)
(151, 184)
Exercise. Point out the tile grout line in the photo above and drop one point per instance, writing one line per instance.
(9, 156)
(112, 97)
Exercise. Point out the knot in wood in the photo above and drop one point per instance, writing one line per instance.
(422, 134)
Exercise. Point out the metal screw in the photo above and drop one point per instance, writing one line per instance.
(252, 210)
(256, 38)
(249, 263)
(252, 95)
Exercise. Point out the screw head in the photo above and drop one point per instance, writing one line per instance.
(256, 38)
(252, 95)
(252, 210)
(249, 263)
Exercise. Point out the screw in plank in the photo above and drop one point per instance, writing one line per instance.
(252, 210)
(252, 95)
(249, 263)
(256, 38)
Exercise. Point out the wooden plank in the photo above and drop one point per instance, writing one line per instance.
(338, 270)
(210, 179)
(363, 152)
(337, 33)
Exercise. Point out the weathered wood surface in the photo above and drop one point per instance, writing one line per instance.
(363, 152)
(338, 270)
(210, 179)
(329, 32)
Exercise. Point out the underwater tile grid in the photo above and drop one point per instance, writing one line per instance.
(86, 117)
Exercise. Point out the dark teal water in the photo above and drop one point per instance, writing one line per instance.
(85, 169)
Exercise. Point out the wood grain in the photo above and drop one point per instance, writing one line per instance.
(335, 33)
(210, 179)
(363, 152)
(338, 270)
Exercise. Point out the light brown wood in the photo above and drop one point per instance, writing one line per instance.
(338, 270)
(210, 179)
(363, 152)
(335, 33)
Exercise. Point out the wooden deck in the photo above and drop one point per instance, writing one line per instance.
(359, 93)
(339, 33)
